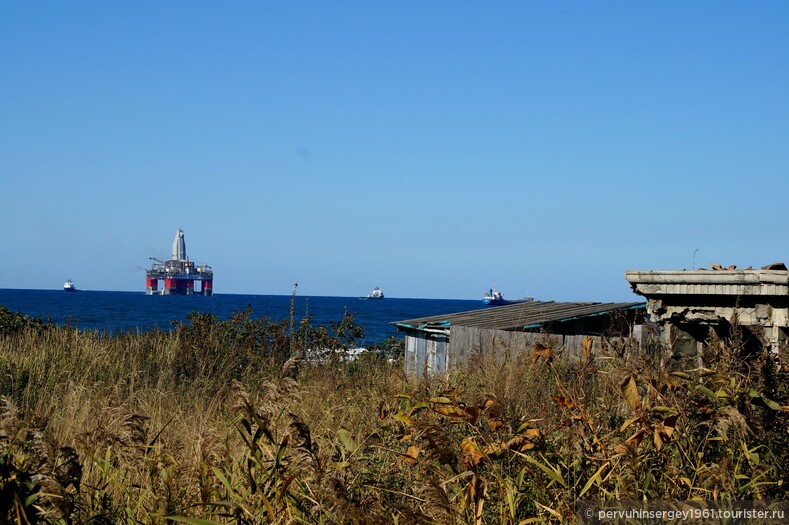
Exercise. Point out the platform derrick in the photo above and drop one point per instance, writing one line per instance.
(178, 274)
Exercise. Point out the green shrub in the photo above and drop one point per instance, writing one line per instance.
(15, 322)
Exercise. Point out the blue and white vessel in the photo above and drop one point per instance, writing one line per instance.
(375, 294)
(493, 297)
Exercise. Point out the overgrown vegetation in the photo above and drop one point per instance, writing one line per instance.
(15, 322)
(242, 421)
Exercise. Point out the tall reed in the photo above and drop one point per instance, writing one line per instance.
(241, 421)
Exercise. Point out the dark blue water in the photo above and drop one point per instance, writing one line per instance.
(114, 312)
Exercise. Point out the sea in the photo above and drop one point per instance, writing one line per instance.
(117, 312)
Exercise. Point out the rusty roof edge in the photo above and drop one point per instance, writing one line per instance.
(446, 322)
(422, 326)
(636, 306)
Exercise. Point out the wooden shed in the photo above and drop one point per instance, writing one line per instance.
(440, 343)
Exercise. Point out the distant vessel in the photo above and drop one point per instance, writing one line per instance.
(494, 297)
(69, 286)
(375, 294)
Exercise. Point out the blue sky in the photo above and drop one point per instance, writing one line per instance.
(433, 149)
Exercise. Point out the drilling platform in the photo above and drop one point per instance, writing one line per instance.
(179, 273)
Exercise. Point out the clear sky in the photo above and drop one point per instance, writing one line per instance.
(432, 148)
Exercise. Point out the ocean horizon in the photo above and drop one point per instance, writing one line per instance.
(115, 312)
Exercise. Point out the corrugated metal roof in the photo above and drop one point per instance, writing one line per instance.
(516, 316)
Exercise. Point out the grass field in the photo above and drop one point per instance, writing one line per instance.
(227, 422)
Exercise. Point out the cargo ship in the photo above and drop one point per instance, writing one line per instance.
(375, 294)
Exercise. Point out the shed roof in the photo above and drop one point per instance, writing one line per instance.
(526, 315)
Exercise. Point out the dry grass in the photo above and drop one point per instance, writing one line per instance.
(213, 423)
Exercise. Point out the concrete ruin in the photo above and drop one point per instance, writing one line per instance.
(690, 303)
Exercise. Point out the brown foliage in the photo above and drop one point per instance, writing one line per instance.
(109, 430)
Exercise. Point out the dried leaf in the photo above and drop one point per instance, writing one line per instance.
(630, 391)
(411, 454)
(347, 441)
(403, 418)
(636, 438)
(450, 411)
(621, 449)
(472, 414)
(664, 433)
(662, 409)
(587, 344)
(495, 449)
(657, 440)
(472, 455)
(563, 401)
(540, 351)
(495, 424)
(628, 423)
(670, 422)
(383, 410)
(519, 443)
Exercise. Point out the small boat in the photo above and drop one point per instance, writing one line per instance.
(69, 286)
(375, 294)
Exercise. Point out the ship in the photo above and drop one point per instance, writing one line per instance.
(179, 274)
(494, 297)
(68, 286)
(375, 294)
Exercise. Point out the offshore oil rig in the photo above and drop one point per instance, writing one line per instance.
(179, 273)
